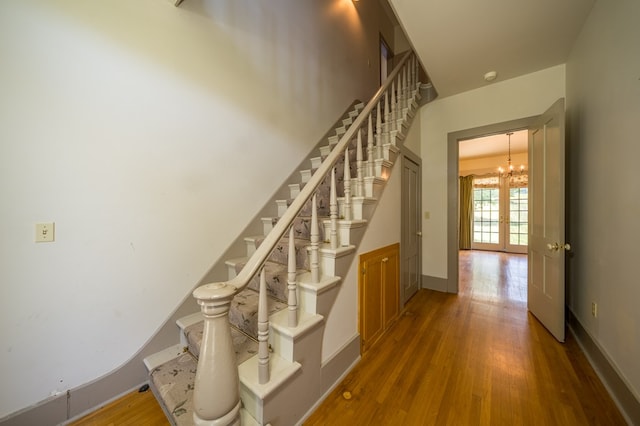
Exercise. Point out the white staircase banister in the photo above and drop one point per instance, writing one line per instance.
(215, 374)
(255, 262)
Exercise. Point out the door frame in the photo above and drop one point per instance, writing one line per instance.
(453, 209)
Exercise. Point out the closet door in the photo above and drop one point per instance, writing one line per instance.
(378, 293)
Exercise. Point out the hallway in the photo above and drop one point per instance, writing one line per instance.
(474, 358)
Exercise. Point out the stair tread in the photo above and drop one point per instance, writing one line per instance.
(172, 383)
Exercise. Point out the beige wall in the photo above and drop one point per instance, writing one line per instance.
(603, 107)
(508, 100)
(150, 135)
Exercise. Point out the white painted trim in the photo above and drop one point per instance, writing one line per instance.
(326, 365)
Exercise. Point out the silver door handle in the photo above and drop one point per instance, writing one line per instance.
(419, 234)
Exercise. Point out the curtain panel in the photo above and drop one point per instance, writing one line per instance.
(466, 211)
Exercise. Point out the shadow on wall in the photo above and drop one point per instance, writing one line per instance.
(240, 50)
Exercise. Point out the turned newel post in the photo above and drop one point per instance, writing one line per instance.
(216, 395)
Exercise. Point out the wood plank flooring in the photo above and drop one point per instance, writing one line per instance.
(476, 358)
(136, 408)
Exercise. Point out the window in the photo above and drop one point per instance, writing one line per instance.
(486, 215)
(518, 216)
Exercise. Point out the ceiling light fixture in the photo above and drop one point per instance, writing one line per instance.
(490, 76)
(509, 170)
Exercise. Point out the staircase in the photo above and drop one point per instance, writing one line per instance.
(253, 354)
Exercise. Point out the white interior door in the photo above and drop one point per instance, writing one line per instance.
(546, 291)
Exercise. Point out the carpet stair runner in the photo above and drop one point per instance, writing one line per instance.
(172, 381)
(172, 371)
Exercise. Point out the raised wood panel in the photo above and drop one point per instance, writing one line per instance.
(379, 293)
(391, 278)
(371, 300)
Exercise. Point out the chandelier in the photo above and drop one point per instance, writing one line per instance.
(510, 170)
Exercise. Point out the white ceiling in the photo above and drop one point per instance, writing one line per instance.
(490, 146)
(458, 41)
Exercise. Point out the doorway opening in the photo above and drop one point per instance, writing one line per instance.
(453, 159)
(493, 172)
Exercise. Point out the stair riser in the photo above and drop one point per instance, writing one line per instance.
(286, 405)
(347, 235)
(329, 266)
(389, 153)
(312, 302)
(360, 209)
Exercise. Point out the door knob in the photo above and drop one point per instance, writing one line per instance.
(419, 234)
(556, 247)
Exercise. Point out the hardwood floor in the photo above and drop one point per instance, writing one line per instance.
(476, 358)
(139, 409)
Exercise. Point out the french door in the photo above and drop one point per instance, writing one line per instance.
(500, 214)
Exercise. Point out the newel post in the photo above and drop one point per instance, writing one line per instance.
(216, 395)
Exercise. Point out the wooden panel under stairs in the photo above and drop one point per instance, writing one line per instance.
(475, 358)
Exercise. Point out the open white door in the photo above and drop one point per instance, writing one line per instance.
(546, 220)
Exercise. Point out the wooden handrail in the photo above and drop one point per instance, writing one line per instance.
(259, 257)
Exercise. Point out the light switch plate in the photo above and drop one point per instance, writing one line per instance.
(45, 232)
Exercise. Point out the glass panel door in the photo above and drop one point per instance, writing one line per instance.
(486, 219)
(500, 215)
(518, 220)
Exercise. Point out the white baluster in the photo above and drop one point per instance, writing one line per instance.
(292, 284)
(379, 118)
(394, 104)
(217, 365)
(370, 162)
(378, 123)
(397, 122)
(333, 211)
(413, 72)
(387, 114)
(405, 86)
(315, 240)
(416, 73)
(347, 186)
(263, 331)
(359, 176)
(411, 85)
